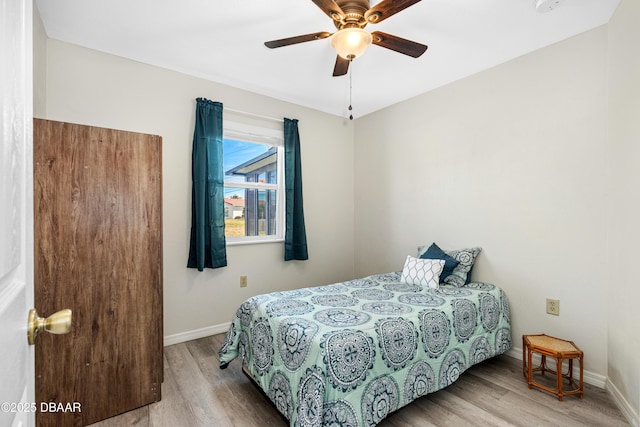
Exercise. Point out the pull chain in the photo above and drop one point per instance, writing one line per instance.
(350, 88)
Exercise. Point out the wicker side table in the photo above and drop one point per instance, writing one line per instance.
(559, 349)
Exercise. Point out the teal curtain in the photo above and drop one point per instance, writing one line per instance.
(208, 246)
(295, 236)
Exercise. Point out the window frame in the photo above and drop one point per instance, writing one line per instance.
(269, 137)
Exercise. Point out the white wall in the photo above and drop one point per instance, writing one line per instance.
(512, 159)
(88, 87)
(624, 182)
(39, 66)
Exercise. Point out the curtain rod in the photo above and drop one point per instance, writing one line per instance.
(257, 116)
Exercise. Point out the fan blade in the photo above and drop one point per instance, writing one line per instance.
(331, 8)
(341, 67)
(387, 8)
(297, 39)
(398, 44)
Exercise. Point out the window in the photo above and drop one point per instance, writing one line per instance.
(253, 164)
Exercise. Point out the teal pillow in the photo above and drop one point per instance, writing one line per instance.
(434, 252)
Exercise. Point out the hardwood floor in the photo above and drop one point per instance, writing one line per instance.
(196, 392)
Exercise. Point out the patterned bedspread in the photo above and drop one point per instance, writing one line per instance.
(350, 353)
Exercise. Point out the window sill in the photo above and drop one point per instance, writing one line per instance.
(254, 242)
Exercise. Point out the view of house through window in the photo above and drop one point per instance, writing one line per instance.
(251, 189)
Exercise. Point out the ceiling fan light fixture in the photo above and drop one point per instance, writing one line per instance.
(350, 43)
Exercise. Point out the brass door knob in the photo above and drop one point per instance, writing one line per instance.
(58, 323)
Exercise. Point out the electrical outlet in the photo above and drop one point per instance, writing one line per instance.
(243, 281)
(553, 306)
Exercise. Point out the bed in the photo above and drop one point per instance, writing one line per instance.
(350, 353)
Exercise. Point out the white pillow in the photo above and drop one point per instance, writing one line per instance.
(424, 272)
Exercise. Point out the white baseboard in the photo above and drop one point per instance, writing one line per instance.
(623, 404)
(599, 381)
(196, 333)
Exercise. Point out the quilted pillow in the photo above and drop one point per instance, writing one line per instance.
(424, 272)
(434, 252)
(461, 274)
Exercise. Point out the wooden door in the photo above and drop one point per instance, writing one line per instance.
(98, 251)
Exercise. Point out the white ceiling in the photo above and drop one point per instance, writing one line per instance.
(223, 41)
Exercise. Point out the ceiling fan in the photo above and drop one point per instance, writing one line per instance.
(351, 40)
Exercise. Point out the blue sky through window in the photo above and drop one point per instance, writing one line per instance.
(236, 153)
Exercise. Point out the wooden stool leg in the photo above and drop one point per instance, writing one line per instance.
(570, 372)
(530, 373)
(559, 377)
